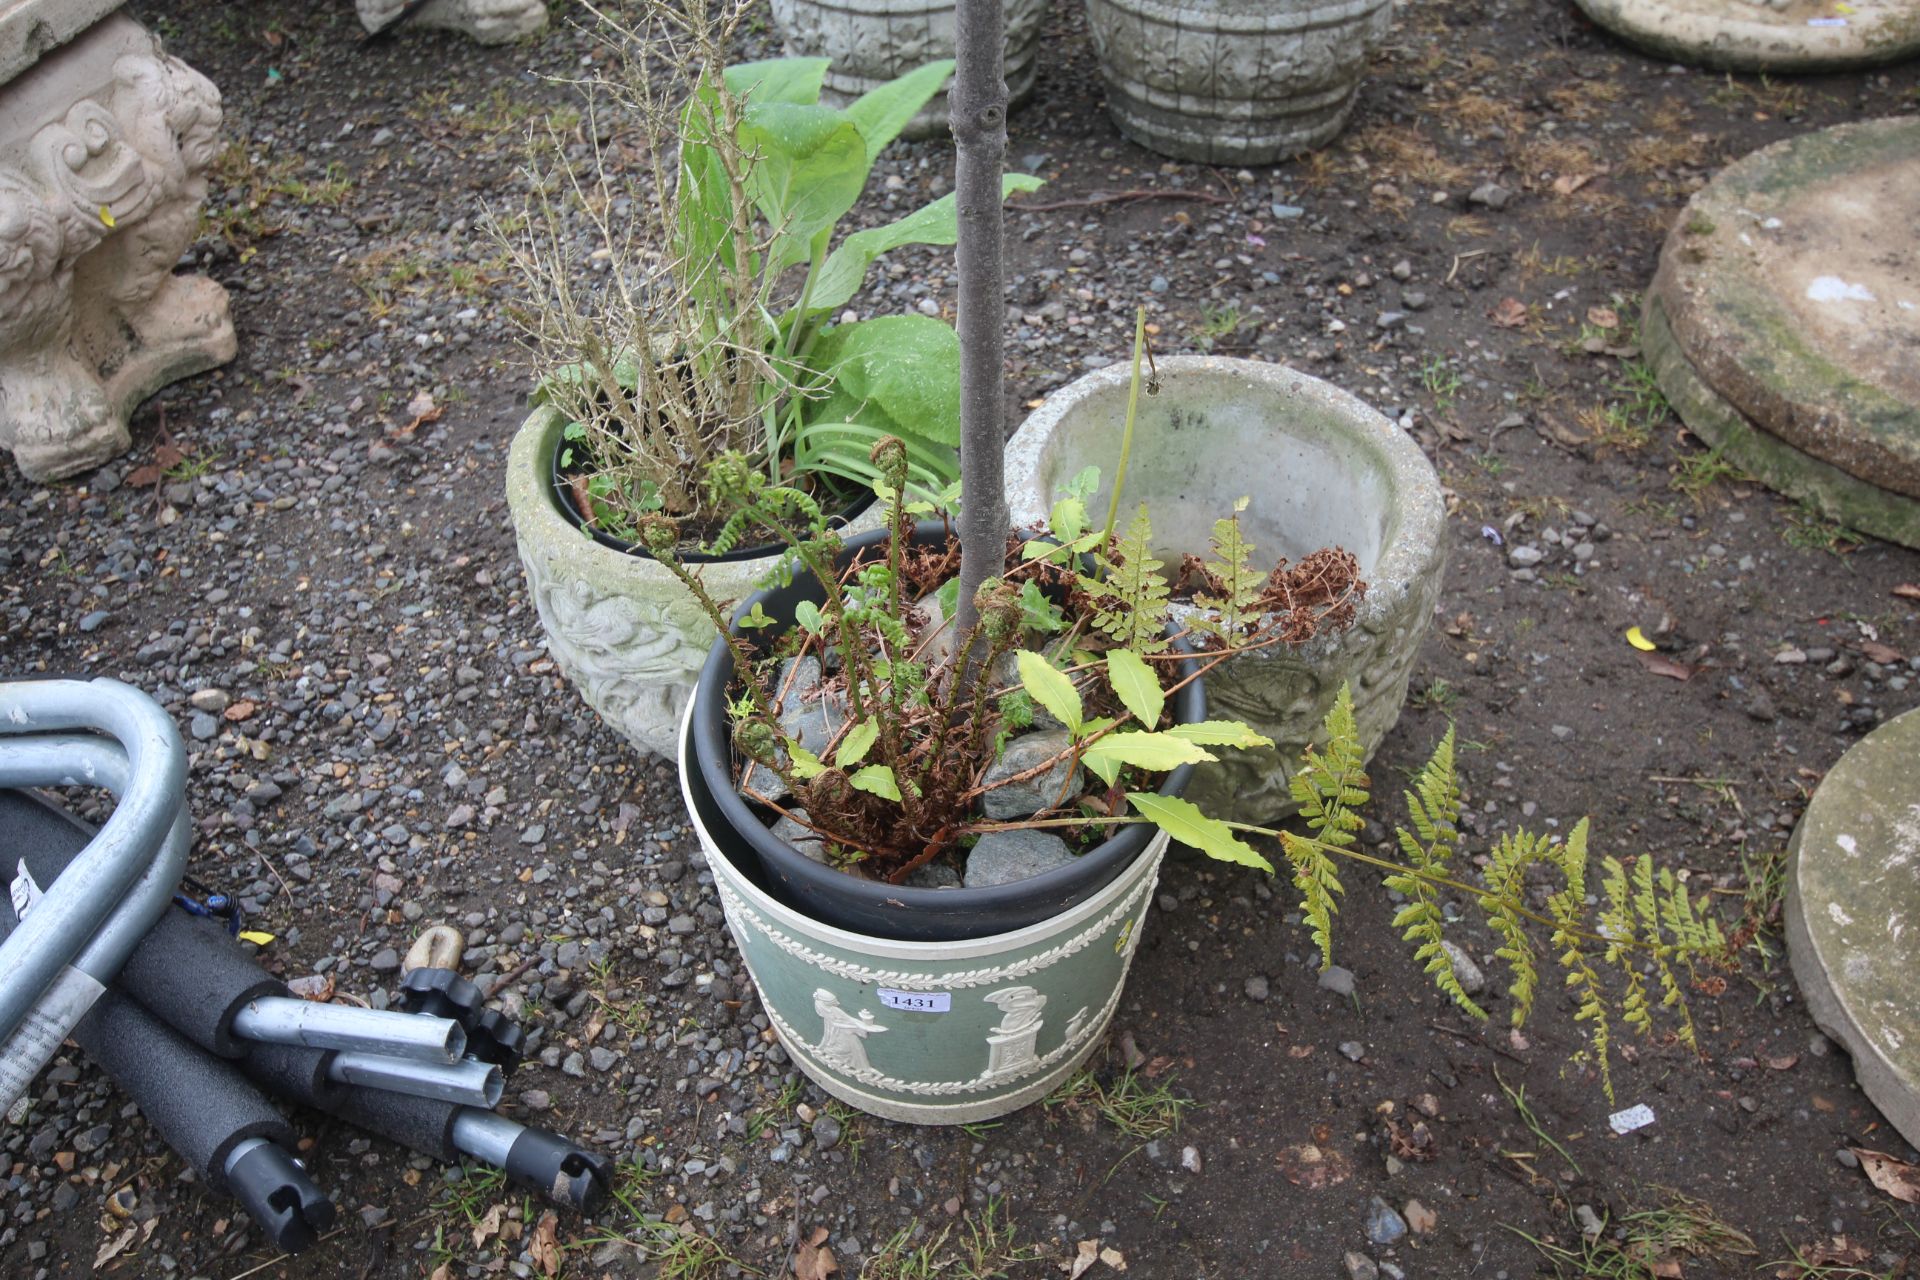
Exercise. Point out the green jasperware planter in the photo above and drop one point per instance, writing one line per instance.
(621, 628)
(933, 1032)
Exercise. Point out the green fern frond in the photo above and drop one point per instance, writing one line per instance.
(1131, 599)
(1566, 908)
(1328, 788)
(1238, 602)
(1617, 926)
(1434, 808)
(1646, 903)
(1319, 887)
(1506, 884)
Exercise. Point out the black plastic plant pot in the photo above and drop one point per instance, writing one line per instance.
(557, 483)
(900, 912)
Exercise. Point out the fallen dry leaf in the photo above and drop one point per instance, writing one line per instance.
(1908, 591)
(1884, 654)
(1084, 1256)
(1603, 317)
(545, 1245)
(1667, 667)
(812, 1260)
(1669, 1269)
(113, 1248)
(1568, 183)
(1783, 1063)
(1312, 1167)
(1895, 1177)
(1114, 1258)
(441, 1272)
(144, 477)
(314, 986)
(489, 1225)
(1511, 313)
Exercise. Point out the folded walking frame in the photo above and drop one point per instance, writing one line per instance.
(176, 1011)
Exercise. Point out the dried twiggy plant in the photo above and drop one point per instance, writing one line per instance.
(649, 319)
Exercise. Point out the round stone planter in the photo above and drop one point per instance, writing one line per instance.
(933, 1032)
(622, 629)
(1782, 321)
(873, 41)
(1852, 897)
(1322, 469)
(1234, 81)
(1766, 35)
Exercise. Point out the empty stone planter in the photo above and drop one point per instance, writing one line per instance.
(873, 41)
(1321, 468)
(1234, 81)
(105, 143)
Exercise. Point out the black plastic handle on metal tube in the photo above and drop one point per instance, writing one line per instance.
(74, 907)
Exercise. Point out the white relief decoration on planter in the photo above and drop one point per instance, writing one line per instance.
(104, 152)
(843, 1037)
(1079, 1032)
(634, 660)
(910, 980)
(1011, 1042)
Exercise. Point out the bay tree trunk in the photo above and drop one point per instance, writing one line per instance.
(977, 105)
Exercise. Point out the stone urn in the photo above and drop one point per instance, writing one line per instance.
(621, 628)
(1234, 81)
(1322, 469)
(1794, 36)
(105, 142)
(871, 42)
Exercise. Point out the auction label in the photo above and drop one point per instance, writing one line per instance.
(917, 1001)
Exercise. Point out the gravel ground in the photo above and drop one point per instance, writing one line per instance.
(306, 559)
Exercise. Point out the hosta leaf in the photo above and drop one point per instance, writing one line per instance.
(1183, 821)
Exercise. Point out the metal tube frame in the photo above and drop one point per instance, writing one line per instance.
(470, 1082)
(134, 840)
(284, 1020)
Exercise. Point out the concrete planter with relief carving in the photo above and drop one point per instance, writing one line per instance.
(932, 1032)
(1234, 81)
(622, 629)
(1322, 469)
(873, 41)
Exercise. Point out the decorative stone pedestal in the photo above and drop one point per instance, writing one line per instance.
(1322, 469)
(1784, 323)
(486, 21)
(1853, 914)
(1766, 35)
(104, 147)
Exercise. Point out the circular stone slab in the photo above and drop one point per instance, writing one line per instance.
(1792, 284)
(1766, 35)
(1853, 914)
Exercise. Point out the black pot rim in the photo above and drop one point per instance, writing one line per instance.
(921, 911)
(563, 500)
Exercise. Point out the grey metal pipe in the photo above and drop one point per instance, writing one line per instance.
(469, 1082)
(81, 759)
(284, 1020)
(96, 882)
(485, 1136)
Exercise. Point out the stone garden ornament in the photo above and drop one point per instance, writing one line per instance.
(105, 142)
(1767, 35)
(486, 21)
